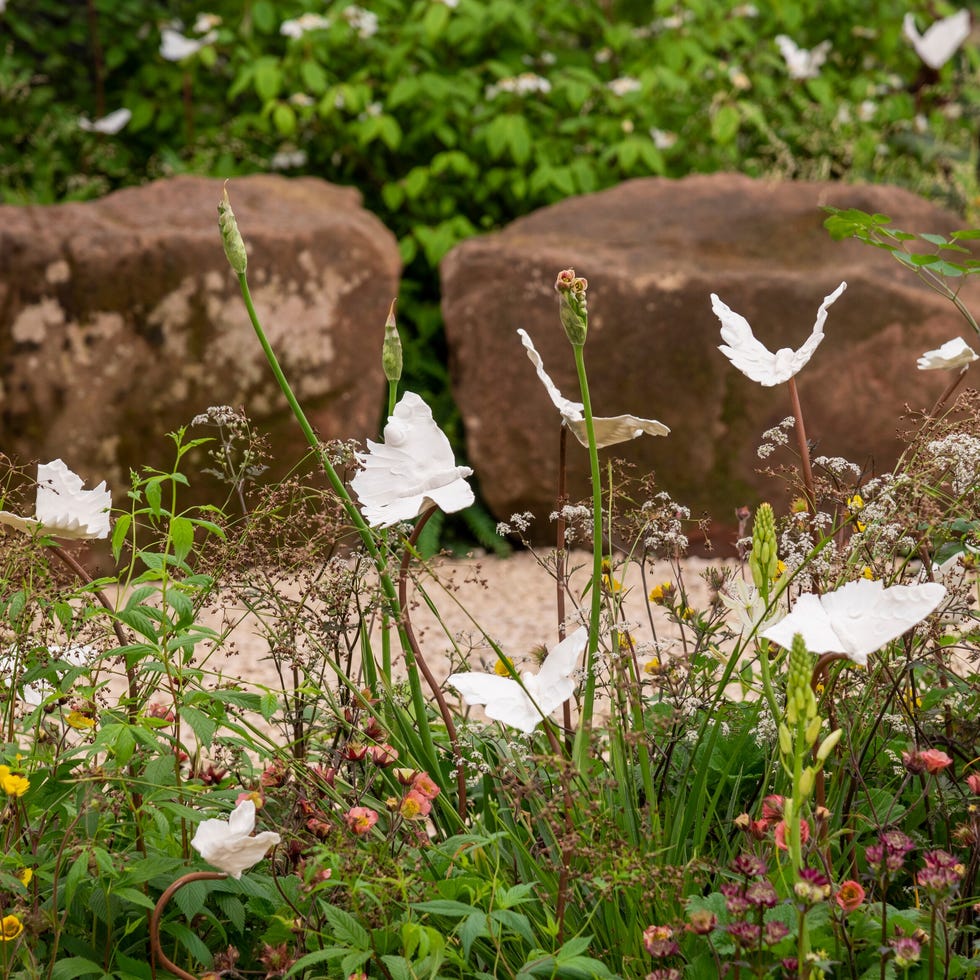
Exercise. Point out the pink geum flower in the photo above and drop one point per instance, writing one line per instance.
(414, 806)
(360, 819)
(423, 783)
(779, 834)
(850, 895)
(926, 760)
(753, 358)
(973, 781)
(62, 508)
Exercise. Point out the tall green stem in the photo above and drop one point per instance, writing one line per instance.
(588, 703)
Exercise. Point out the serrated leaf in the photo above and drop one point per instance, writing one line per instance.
(201, 725)
(75, 966)
(346, 928)
(181, 537)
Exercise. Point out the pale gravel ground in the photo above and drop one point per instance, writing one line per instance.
(512, 599)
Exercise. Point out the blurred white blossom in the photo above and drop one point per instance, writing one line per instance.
(206, 22)
(288, 159)
(624, 85)
(800, 62)
(108, 125)
(941, 40)
(298, 26)
(174, 46)
(524, 84)
(364, 22)
(662, 138)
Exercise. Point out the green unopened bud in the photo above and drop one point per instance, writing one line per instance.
(764, 560)
(231, 237)
(785, 740)
(573, 308)
(391, 348)
(828, 745)
(806, 781)
(813, 729)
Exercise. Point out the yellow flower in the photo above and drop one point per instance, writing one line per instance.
(500, 667)
(12, 784)
(854, 505)
(25, 875)
(662, 594)
(10, 928)
(688, 613)
(780, 569)
(867, 572)
(652, 666)
(76, 719)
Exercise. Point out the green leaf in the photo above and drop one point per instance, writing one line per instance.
(201, 725)
(314, 959)
(75, 966)
(181, 537)
(284, 119)
(314, 77)
(724, 124)
(933, 239)
(264, 17)
(442, 906)
(268, 705)
(346, 928)
(267, 78)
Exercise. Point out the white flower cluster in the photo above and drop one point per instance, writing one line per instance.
(527, 83)
(364, 22)
(298, 26)
(775, 437)
(838, 467)
(578, 521)
(667, 530)
(959, 454)
(624, 85)
(518, 524)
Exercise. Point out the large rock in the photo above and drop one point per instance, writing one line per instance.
(121, 319)
(653, 250)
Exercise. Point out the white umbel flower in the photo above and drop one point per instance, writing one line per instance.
(955, 353)
(62, 508)
(228, 844)
(608, 431)
(941, 40)
(411, 470)
(801, 63)
(753, 358)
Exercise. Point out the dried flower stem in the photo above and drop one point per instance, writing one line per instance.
(810, 492)
(413, 657)
(159, 956)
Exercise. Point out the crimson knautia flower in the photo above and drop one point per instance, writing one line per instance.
(228, 844)
(955, 353)
(608, 431)
(62, 508)
(411, 470)
(858, 618)
(753, 358)
(941, 40)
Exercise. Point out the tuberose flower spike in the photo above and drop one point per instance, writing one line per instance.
(764, 560)
(573, 306)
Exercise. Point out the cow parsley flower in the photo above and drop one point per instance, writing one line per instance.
(755, 360)
(955, 353)
(63, 509)
(228, 844)
(608, 431)
(941, 40)
(411, 470)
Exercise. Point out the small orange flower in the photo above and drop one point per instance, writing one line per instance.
(360, 819)
(850, 895)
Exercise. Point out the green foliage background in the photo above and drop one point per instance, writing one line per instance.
(406, 116)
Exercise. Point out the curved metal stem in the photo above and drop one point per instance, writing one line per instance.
(158, 955)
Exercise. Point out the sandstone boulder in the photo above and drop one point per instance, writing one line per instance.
(653, 250)
(120, 319)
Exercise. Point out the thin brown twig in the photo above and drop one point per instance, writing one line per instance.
(447, 715)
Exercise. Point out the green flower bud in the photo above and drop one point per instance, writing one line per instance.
(806, 781)
(785, 740)
(813, 729)
(764, 560)
(231, 237)
(573, 308)
(391, 348)
(828, 745)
